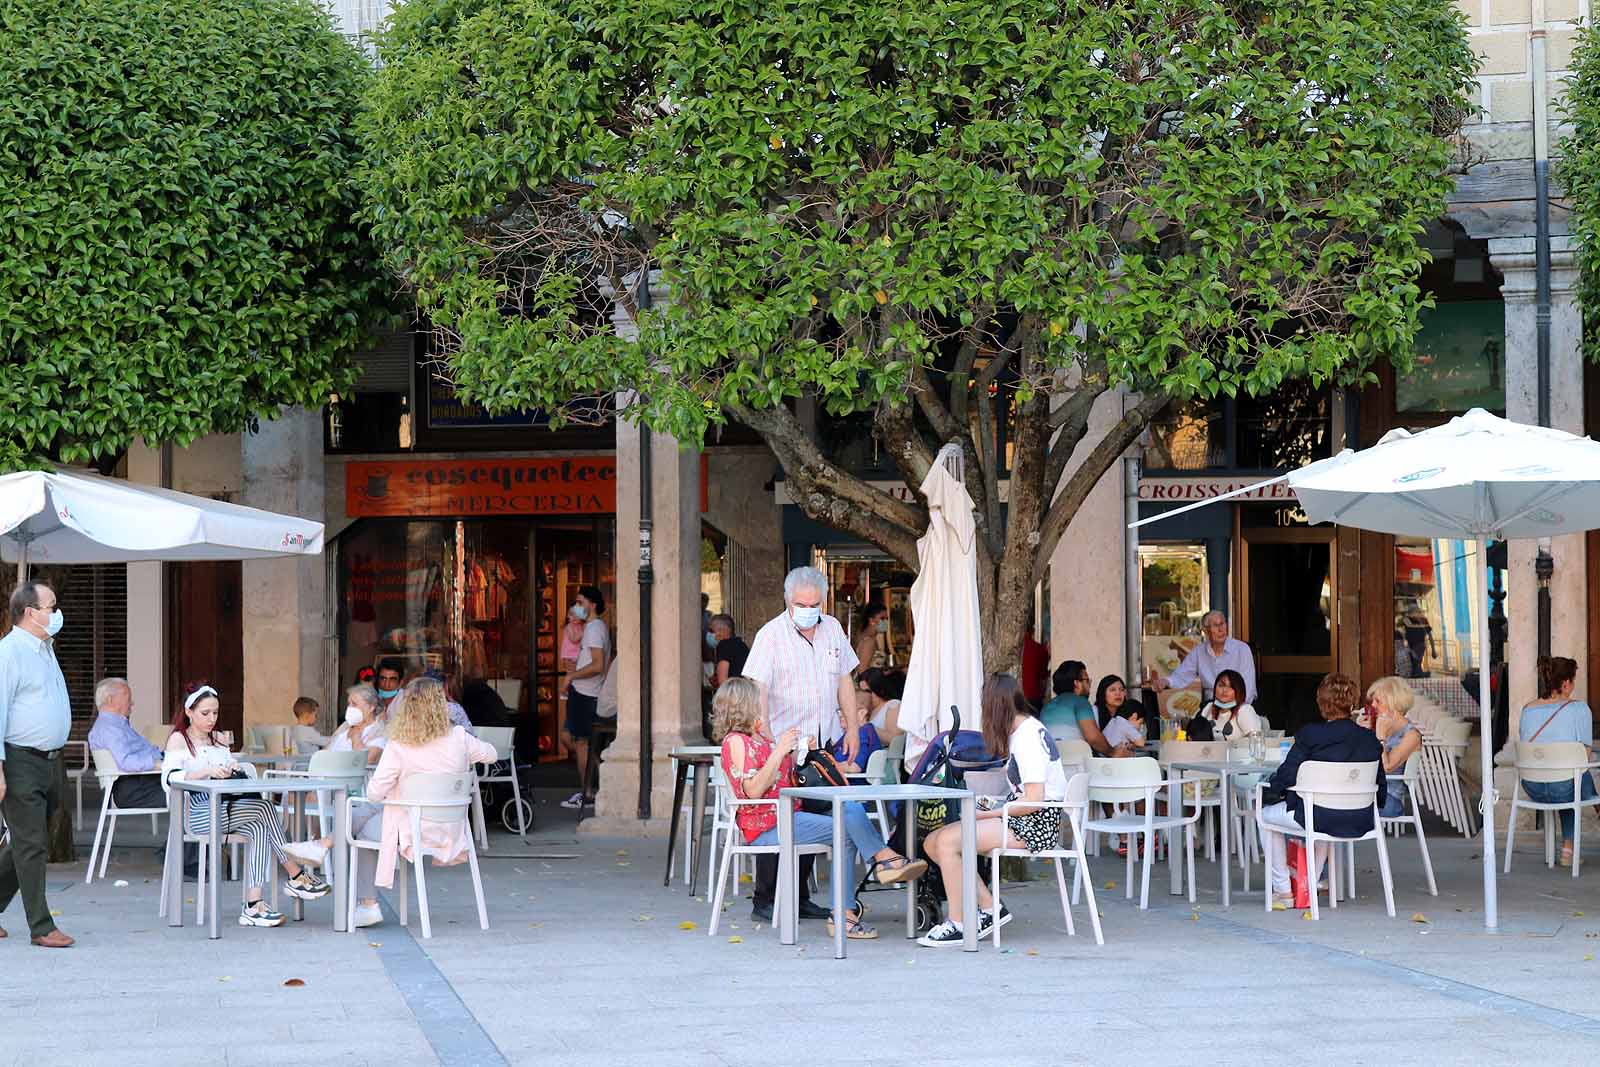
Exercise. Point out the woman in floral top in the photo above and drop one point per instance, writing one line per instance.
(757, 767)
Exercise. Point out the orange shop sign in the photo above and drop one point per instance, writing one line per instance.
(560, 485)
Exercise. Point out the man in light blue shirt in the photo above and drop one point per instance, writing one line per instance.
(137, 759)
(1218, 652)
(35, 718)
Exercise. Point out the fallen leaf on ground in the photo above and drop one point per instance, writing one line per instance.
(643, 918)
(735, 940)
(1111, 885)
(1419, 918)
(1589, 957)
(1194, 916)
(226, 978)
(745, 879)
(686, 925)
(54, 913)
(1033, 952)
(294, 983)
(1306, 915)
(1577, 915)
(374, 944)
(622, 852)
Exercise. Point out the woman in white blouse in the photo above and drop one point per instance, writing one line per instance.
(364, 723)
(194, 753)
(1232, 717)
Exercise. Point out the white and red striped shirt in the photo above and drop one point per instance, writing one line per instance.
(801, 677)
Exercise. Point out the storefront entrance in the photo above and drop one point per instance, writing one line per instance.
(1288, 575)
(482, 599)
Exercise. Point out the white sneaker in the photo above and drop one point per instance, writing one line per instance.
(574, 802)
(368, 915)
(308, 852)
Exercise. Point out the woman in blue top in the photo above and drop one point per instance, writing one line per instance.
(1558, 716)
(1390, 699)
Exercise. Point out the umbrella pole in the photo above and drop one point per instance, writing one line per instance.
(1491, 904)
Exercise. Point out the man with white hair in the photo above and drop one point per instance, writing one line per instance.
(1217, 653)
(803, 661)
(137, 759)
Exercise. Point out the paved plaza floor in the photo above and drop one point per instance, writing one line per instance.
(589, 960)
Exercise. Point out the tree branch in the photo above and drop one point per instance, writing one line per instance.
(1089, 472)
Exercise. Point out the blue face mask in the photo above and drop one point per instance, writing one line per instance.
(53, 627)
(388, 694)
(806, 618)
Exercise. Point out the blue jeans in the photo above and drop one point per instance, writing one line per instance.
(1559, 793)
(859, 836)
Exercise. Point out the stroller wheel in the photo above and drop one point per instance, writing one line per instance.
(510, 813)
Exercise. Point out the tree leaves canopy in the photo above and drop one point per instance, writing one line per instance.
(1579, 172)
(178, 251)
(1191, 196)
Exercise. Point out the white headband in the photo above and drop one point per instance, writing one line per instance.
(203, 691)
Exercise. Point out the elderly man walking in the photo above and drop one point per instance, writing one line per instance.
(803, 661)
(137, 759)
(35, 718)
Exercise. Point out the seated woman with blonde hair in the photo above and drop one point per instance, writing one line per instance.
(1391, 699)
(421, 740)
(757, 767)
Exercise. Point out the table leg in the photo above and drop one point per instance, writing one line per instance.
(215, 844)
(1227, 821)
(910, 842)
(297, 803)
(1174, 806)
(787, 893)
(172, 903)
(677, 806)
(839, 876)
(969, 874)
(341, 866)
(702, 775)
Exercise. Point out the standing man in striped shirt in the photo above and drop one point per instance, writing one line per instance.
(803, 661)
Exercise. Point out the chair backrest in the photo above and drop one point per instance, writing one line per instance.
(1193, 751)
(445, 796)
(1077, 791)
(501, 737)
(1122, 781)
(157, 734)
(105, 765)
(1412, 771)
(988, 783)
(1550, 761)
(349, 764)
(1344, 786)
(1075, 752)
(875, 768)
(1454, 731)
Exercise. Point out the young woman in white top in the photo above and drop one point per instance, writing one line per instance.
(364, 719)
(1033, 767)
(1232, 718)
(193, 753)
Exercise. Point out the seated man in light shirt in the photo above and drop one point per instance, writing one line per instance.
(137, 759)
(1216, 653)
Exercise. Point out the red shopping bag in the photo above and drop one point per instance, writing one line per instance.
(1299, 879)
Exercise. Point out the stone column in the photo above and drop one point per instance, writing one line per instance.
(1515, 260)
(147, 615)
(285, 600)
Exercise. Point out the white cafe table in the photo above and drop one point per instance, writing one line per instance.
(842, 880)
(1226, 772)
(215, 791)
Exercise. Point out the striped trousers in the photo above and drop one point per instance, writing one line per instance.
(255, 820)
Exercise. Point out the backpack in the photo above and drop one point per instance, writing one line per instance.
(819, 770)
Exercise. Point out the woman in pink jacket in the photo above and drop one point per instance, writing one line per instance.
(421, 740)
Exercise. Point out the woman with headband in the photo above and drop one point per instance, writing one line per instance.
(193, 753)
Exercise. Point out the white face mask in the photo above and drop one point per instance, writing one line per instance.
(354, 715)
(806, 618)
(1226, 705)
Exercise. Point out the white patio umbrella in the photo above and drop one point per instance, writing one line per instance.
(75, 517)
(1479, 477)
(947, 653)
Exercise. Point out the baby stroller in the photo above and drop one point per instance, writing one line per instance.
(946, 762)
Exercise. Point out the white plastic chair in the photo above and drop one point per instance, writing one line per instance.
(1193, 794)
(1074, 807)
(733, 845)
(879, 771)
(349, 767)
(1555, 761)
(1337, 787)
(1075, 755)
(1411, 778)
(105, 769)
(75, 775)
(430, 798)
(1445, 743)
(1125, 782)
(503, 771)
(721, 819)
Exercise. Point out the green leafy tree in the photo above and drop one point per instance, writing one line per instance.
(972, 220)
(178, 246)
(1579, 174)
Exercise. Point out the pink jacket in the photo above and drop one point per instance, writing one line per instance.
(447, 843)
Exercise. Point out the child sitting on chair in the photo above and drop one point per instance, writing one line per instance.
(307, 738)
(1126, 727)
